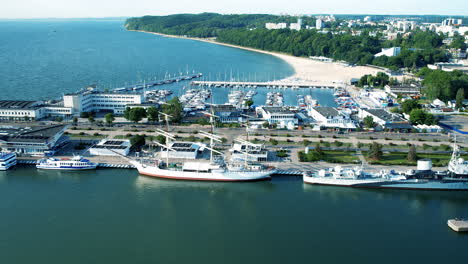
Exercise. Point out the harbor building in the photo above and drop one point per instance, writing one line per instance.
(14, 110)
(38, 140)
(386, 119)
(227, 113)
(278, 115)
(21, 110)
(255, 152)
(405, 90)
(183, 150)
(330, 117)
(111, 147)
(92, 100)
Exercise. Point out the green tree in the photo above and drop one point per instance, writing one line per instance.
(174, 108)
(203, 121)
(421, 117)
(408, 105)
(265, 124)
(459, 98)
(161, 139)
(126, 113)
(306, 142)
(137, 114)
(273, 141)
(152, 113)
(137, 141)
(91, 119)
(59, 119)
(75, 120)
(368, 121)
(412, 155)
(375, 151)
(109, 117)
(249, 103)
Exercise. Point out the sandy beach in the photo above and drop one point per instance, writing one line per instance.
(306, 70)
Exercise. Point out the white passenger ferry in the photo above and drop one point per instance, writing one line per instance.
(7, 160)
(75, 163)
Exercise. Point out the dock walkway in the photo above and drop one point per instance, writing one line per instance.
(272, 84)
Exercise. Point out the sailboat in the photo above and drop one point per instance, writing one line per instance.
(214, 170)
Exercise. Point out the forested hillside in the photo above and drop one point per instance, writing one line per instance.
(419, 49)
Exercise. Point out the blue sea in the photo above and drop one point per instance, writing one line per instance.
(42, 59)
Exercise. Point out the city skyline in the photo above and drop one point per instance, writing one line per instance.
(119, 8)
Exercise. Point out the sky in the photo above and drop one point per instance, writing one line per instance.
(128, 8)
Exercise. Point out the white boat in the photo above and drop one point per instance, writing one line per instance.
(75, 163)
(202, 171)
(7, 160)
(339, 176)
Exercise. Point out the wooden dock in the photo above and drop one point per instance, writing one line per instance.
(458, 225)
(273, 84)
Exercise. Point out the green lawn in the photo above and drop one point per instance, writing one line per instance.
(332, 156)
(399, 158)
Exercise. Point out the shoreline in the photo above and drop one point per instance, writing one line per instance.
(305, 69)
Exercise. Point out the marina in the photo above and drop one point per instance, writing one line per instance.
(269, 85)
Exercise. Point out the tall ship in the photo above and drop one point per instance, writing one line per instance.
(216, 169)
(75, 163)
(7, 160)
(424, 178)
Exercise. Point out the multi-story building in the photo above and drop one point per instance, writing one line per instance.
(278, 115)
(276, 25)
(329, 117)
(91, 100)
(21, 110)
(318, 24)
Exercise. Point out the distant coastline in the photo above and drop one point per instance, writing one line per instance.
(305, 69)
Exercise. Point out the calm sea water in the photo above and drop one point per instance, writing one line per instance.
(46, 58)
(116, 216)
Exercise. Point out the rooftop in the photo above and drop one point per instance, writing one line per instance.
(37, 134)
(224, 108)
(384, 115)
(327, 111)
(277, 110)
(13, 104)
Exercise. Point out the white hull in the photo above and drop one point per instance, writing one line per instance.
(65, 168)
(215, 175)
(7, 166)
(341, 181)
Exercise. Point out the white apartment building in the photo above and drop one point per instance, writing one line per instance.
(91, 100)
(318, 24)
(276, 25)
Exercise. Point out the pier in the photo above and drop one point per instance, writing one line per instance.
(141, 86)
(272, 84)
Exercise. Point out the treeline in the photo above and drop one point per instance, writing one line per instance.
(418, 49)
(444, 85)
(205, 25)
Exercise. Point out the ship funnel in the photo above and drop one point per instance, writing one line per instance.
(424, 165)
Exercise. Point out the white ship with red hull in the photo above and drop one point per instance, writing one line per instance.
(201, 171)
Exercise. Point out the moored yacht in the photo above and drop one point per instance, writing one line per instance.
(75, 163)
(7, 160)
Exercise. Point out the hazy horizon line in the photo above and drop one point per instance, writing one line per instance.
(305, 14)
